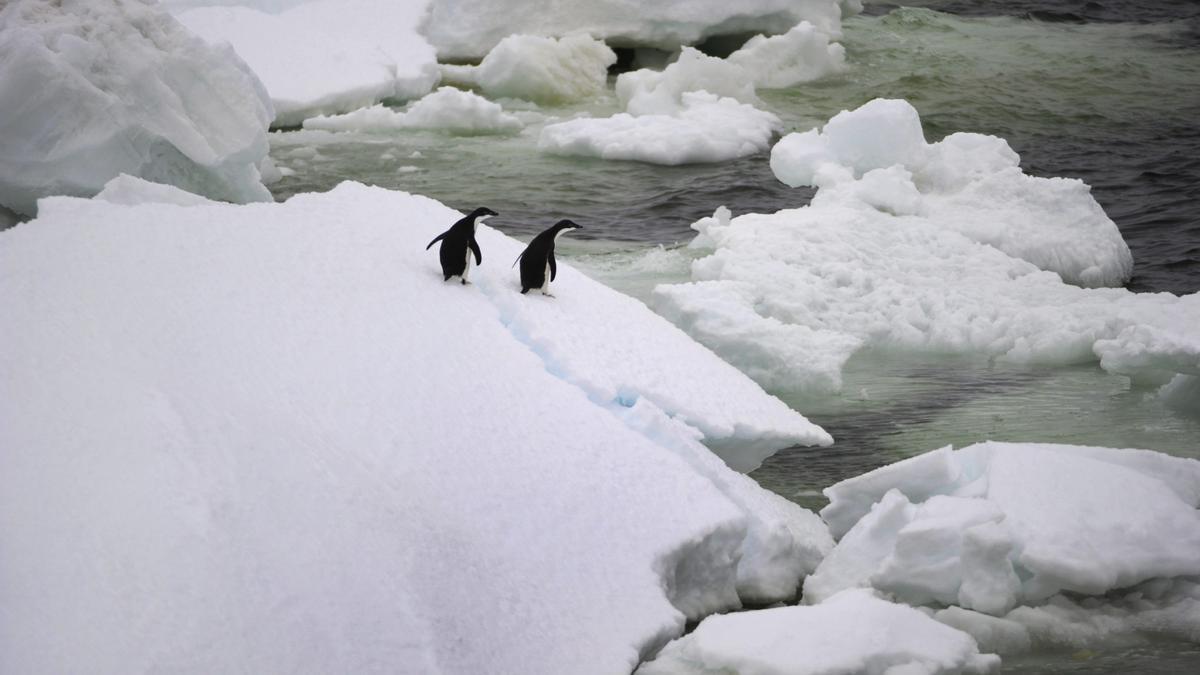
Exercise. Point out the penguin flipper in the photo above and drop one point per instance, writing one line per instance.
(475, 249)
(519, 256)
(553, 267)
(437, 239)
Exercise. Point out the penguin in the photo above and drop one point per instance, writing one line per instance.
(458, 243)
(537, 260)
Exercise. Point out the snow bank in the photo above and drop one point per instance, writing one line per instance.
(90, 90)
(447, 109)
(704, 129)
(853, 632)
(466, 29)
(324, 56)
(969, 183)
(270, 437)
(541, 69)
(788, 297)
(995, 525)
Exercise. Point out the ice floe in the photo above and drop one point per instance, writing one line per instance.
(323, 56)
(881, 261)
(541, 69)
(466, 29)
(91, 90)
(447, 109)
(853, 632)
(995, 525)
(272, 435)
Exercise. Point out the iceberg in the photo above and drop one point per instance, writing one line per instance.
(852, 632)
(875, 261)
(469, 29)
(447, 109)
(544, 70)
(995, 525)
(91, 90)
(323, 56)
(270, 434)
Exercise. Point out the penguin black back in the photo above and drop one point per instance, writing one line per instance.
(458, 245)
(538, 267)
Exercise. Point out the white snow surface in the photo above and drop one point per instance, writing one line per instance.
(853, 632)
(323, 56)
(705, 128)
(876, 261)
(994, 525)
(545, 70)
(93, 89)
(447, 109)
(968, 183)
(271, 437)
(466, 29)
(802, 54)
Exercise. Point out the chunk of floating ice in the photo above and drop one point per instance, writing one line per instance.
(323, 56)
(93, 90)
(802, 54)
(853, 632)
(915, 246)
(705, 129)
(258, 427)
(994, 524)
(540, 69)
(967, 183)
(466, 29)
(447, 109)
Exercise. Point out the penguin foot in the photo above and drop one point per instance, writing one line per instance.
(465, 282)
(547, 294)
(524, 291)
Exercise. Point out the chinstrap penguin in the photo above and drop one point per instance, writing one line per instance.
(458, 243)
(537, 260)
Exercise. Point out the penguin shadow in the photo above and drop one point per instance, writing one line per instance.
(537, 264)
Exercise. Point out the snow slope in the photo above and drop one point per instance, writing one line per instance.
(323, 56)
(93, 89)
(270, 437)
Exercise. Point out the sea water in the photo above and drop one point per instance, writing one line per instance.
(1108, 92)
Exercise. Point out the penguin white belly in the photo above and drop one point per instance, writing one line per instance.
(546, 280)
(467, 265)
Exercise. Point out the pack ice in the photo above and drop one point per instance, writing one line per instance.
(90, 90)
(910, 245)
(270, 437)
(322, 56)
(999, 531)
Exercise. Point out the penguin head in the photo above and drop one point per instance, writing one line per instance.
(481, 214)
(565, 224)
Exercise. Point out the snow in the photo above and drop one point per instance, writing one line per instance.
(969, 183)
(130, 190)
(324, 56)
(876, 262)
(994, 525)
(469, 29)
(853, 632)
(541, 69)
(91, 90)
(270, 437)
(447, 109)
(646, 91)
(706, 128)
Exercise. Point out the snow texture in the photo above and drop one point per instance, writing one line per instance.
(447, 109)
(968, 183)
(271, 437)
(875, 262)
(93, 89)
(853, 632)
(469, 29)
(324, 56)
(545, 70)
(994, 525)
